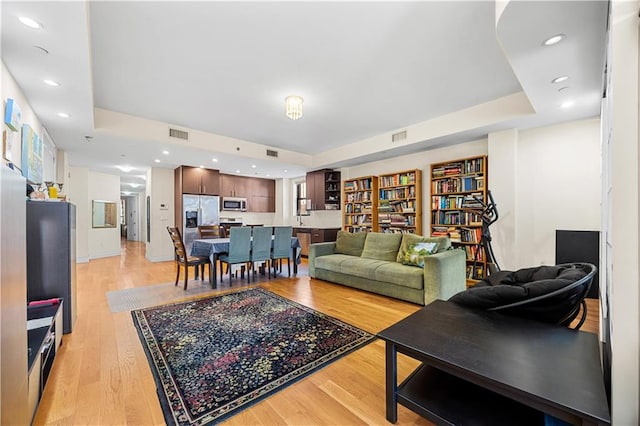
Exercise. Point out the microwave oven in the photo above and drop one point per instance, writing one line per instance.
(234, 204)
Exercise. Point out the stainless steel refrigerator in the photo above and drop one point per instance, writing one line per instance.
(198, 210)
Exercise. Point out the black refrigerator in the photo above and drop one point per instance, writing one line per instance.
(51, 255)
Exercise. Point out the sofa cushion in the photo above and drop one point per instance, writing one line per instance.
(381, 246)
(410, 239)
(349, 265)
(398, 274)
(350, 243)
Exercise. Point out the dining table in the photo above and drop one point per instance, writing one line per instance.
(212, 247)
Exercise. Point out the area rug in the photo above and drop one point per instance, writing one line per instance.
(215, 356)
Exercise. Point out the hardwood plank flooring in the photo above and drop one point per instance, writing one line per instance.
(101, 375)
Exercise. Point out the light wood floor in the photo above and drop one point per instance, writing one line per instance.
(101, 375)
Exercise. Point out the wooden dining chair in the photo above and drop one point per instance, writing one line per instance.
(210, 231)
(261, 248)
(281, 247)
(239, 251)
(183, 259)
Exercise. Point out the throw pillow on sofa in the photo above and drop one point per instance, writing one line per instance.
(350, 243)
(417, 252)
(381, 246)
(443, 243)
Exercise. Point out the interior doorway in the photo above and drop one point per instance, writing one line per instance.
(130, 228)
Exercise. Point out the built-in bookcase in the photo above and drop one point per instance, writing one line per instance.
(458, 192)
(400, 202)
(360, 204)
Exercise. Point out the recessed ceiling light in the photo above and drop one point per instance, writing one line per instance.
(134, 185)
(567, 104)
(553, 40)
(51, 83)
(253, 166)
(156, 160)
(41, 49)
(237, 171)
(125, 169)
(165, 152)
(31, 23)
(63, 115)
(285, 171)
(215, 160)
(126, 193)
(201, 166)
(560, 79)
(563, 88)
(267, 175)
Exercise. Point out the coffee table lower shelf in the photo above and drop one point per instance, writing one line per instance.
(449, 400)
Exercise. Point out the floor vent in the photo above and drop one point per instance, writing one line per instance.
(180, 134)
(399, 136)
(272, 153)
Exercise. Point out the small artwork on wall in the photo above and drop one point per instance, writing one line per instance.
(9, 139)
(31, 155)
(12, 115)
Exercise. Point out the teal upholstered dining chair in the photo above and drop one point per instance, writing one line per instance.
(239, 251)
(261, 248)
(281, 247)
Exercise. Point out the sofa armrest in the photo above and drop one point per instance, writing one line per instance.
(317, 250)
(444, 275)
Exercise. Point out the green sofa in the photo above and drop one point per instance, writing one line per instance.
(372, 261)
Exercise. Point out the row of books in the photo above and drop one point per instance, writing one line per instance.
(447, 169)
(442, 202)
(396, 230)
(356, 197)
(356, 229)
(357, 208)
(396, 219)
(471, 235)
(475, 273)
(398, 193)
(399, 179)
(357, 185)
(364, 219)
(405, 206)
(473, 251)
(455, 218)
(461, 184)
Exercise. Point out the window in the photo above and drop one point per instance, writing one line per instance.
(301, 199)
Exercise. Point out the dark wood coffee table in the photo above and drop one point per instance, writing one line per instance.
(482, 367)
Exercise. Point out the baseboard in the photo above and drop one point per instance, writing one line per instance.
(111, 254)
(82, 260)
(160, 259)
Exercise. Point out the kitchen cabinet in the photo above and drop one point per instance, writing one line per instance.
(196, 180)
(262, 196)
(323, 189)
(234, 186)
(308, 236)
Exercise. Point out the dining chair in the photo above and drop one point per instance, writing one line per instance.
(210, 231)
(183, 259)
(261, 248)
(239, 251)
(281, 247)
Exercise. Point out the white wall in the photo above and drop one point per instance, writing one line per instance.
(103, 242)
(553, 184)
(10, 89)
(77, 191)
(625, 214)
(160, 188)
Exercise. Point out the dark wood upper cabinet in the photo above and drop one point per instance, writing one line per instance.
(196, 180)
(235, 186)
(323, 189)
(263, 195)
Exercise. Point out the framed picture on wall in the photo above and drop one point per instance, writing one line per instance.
(31, 155)
(12, 115)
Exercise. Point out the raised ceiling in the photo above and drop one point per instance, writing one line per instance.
(221, 70)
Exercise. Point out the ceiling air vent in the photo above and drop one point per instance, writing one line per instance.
(272, 153)
(399, 136)
(180, 134)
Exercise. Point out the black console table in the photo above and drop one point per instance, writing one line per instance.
(482, 367)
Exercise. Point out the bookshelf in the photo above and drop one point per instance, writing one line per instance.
(458, 189)
(400, 202)
(360, 204)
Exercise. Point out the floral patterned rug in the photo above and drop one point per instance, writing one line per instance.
(215, 356)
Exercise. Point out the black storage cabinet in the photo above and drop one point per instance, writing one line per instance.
(51, 255)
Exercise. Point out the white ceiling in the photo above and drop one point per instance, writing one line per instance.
(222, 70)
